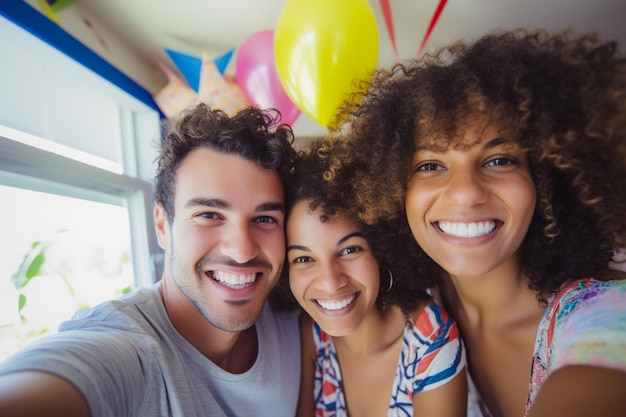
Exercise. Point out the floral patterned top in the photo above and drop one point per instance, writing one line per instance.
(585, 323)
(432, 354)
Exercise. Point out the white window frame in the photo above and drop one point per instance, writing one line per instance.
(29, 167)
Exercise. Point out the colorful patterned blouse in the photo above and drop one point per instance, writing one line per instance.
(432, 354)
(585, 323)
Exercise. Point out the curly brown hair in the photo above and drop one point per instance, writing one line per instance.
(561, 97)
(253, 134)
(391, 240)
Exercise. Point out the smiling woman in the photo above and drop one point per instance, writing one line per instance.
(506, 156)
(373, 341)
(446, 183)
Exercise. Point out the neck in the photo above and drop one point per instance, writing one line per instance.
(377, 332)
(235, 352)
(500, 298)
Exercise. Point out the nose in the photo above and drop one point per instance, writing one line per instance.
(239, 243)
(466, 188)
(331, 277)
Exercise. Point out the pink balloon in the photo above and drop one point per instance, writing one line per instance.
(257, 76)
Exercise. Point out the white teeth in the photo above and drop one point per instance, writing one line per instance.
(467, 229)
(234, 280)
(336, 305)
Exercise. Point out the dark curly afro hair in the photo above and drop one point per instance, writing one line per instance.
(561, 97)
(391, 240)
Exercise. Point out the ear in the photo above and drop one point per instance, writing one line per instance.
(162, 226)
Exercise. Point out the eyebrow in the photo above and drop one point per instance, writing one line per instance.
(354, 234)
(222, 204)
(339, 242)
(495, 142)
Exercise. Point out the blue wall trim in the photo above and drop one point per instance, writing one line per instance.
(31, 20)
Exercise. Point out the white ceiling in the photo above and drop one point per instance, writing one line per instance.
(195, 26)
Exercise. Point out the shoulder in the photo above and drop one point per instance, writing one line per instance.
(433, 352)
(126, 312)
(586, 304)
(430, 318)
(588, 294)
(586, 323)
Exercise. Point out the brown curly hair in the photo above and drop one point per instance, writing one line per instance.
(391, 241)
(253, 134)
(561, 97)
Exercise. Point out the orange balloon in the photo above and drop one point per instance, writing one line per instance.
(321, 47)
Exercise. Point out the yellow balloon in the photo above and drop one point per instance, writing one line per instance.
(321, 47)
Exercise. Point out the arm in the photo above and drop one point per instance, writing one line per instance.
(582, 391)
(24, 394)
(449, 400)
(306, 407)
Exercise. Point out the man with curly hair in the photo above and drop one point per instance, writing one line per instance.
(201, 341)
(507, 156)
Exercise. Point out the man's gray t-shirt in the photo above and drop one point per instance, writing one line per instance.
(128, 360)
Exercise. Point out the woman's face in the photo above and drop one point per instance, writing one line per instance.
(332, 271)
(470, 206)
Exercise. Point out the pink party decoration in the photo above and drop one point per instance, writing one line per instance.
(217, 91)
(175, 96)
(257, 76)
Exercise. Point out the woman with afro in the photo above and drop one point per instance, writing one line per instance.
(507, 156)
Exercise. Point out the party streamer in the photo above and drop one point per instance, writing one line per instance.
(386, 8)
(431, 26)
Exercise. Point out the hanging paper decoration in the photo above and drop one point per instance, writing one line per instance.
(49, 12)
(221, 62)
(215, 90)
(386, 8)
(219, 92)
(57, 5)
(431, 26)
(387, 13)
(176, 95)
(190, 65)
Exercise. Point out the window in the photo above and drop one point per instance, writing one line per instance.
(61, 254)
(76, 162)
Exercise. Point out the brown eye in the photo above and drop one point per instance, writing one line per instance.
(500, 161)
(302, 259)
(429, 166)
(266, 219)
(351, 249)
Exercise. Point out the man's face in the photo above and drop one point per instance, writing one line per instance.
(225, 247)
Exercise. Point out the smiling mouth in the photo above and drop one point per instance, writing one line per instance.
(235, 281)
(336, 305)
(467, 230)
